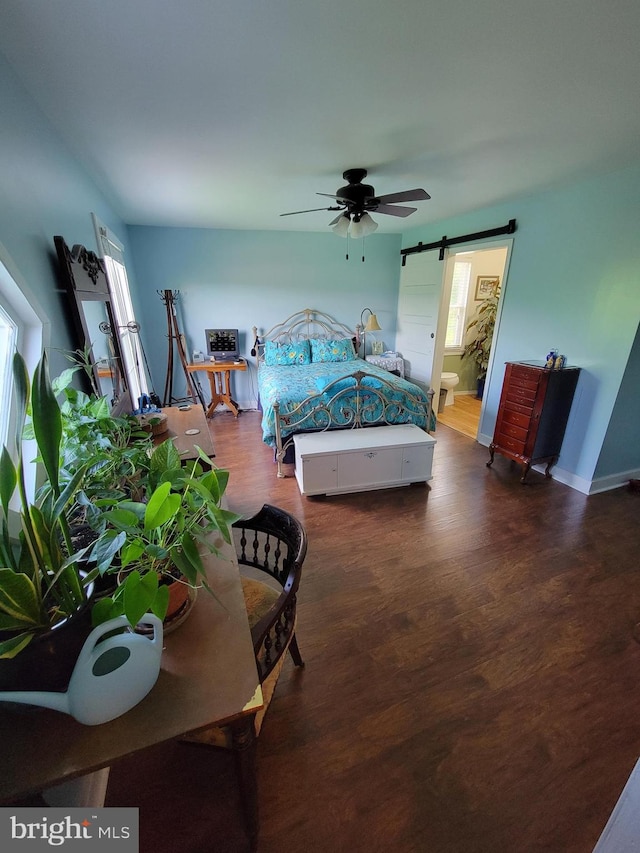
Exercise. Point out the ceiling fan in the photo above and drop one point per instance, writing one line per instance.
(355, 200)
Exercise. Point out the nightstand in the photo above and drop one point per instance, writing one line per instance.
(392, 363)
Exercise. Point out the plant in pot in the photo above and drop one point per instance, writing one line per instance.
(38, 586)
(163, 534)
(113, 452)
(44, 589)
(479, 348)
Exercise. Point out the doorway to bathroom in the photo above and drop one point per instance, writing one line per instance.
(463, 416)
(473, 284)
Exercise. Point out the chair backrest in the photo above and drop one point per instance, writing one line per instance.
(273, 542)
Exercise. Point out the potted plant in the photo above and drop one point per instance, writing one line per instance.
(139, 526)
(44, 585)
(38, 586)
(157, 540)
(479, 348)
(113, 451)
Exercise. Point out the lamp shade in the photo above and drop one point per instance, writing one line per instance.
(363, 226)
(372, 324)
(341, 228)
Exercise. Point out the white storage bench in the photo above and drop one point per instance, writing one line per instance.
(355, 460)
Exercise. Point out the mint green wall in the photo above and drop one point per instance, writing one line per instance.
(241, 279)
(620, 447)
(573, 283)
(43, 192)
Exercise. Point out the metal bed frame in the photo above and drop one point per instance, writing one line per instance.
(361, 397)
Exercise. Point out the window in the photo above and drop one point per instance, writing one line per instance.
(128, 329)
(23, 327)
(8, 343)
(458, 305)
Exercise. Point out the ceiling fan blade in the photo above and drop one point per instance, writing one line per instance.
(406, 195)
(393, 211)
(339, 198)
(312, 210)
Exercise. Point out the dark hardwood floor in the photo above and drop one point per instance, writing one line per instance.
(472, 681)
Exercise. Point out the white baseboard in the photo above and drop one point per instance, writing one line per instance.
(580, 484)
(613, 481)
(590, 487)
(566, 478)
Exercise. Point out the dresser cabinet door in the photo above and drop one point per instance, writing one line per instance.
(417, 461)
(319, 473)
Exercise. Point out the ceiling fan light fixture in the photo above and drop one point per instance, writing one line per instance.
(369, 224)
(362, 225)
(341, 228)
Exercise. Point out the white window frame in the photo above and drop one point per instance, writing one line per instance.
(9, 333)
(33, 337)
(463, 308)
(112, 251)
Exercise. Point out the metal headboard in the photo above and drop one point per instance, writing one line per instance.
(300, 326)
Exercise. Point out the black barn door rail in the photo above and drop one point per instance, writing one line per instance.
(452, 241)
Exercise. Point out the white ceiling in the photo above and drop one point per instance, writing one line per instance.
(226, 113)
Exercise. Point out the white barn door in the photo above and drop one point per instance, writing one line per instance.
(419, 300)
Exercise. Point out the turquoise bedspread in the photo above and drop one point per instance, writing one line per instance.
(290, 385)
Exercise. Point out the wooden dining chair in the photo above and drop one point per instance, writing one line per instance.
(271, 548)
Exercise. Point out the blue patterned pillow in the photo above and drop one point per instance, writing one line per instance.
(323, 350)
(297, 353)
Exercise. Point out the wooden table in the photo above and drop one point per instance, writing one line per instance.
(178, 422)
(219, 374)
(208, 676)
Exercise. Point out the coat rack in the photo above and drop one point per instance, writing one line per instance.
(176, 341)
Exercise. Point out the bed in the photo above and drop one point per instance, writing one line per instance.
(310, 380)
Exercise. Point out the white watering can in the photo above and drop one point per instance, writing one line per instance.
(109, 677)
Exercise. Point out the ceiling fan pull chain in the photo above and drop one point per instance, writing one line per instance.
(347, 255)
(363, 250)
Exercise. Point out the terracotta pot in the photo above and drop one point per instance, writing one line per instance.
(181, 599)
(178, 596)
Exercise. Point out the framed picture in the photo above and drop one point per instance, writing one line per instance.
(377, 347)
(486, 285)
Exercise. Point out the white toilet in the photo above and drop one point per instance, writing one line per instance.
(448, 381)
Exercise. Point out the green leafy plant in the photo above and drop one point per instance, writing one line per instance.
(115, 450)
(479, 348)
(164, 533)
(45, 576)
(39, 584)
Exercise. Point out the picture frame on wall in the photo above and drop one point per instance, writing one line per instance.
(486, 285)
